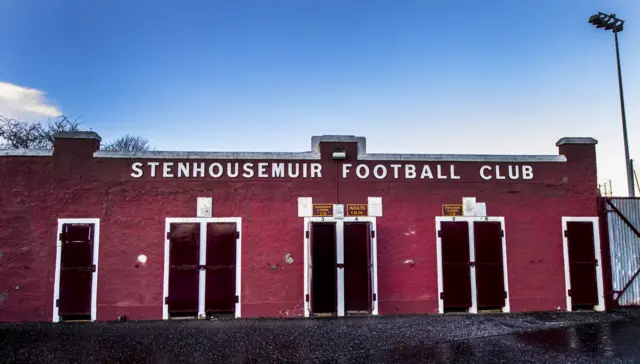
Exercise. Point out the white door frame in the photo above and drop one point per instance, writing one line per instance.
(202, 274)
(474, 292)
(596, 244)
(340, 260)
(94, 280)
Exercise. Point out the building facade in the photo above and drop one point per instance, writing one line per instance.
(87, 234)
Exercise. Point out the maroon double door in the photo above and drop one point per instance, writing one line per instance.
(77, 268)
(357, 267)
(457, 265)
(185, 255)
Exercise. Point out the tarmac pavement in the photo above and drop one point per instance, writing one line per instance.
(579, 337)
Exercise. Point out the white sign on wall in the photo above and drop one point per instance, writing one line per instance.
(205, 207)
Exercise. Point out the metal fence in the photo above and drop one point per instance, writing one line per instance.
(623, 222)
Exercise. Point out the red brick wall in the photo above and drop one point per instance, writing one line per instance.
(36, 191)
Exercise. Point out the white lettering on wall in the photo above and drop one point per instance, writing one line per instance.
(137, 171)
(198, 168)
(482, 173)
(166, 170)
(395, 169)
(316, 170)
(409, 171)
(345, 170)
(248, 172)
(183, 169)
(380, 171)
(293, 170)
(453, 172)
(362, 171)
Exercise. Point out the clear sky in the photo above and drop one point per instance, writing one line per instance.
(499, 77)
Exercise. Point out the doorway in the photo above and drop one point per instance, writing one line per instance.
(340, 276)
(76, 274)
(582, 257)
(202, 267)
(472, 264)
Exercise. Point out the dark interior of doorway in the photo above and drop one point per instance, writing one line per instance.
(76, 272)
(490, 290)
(357, 268)
(184, 259)
(582, 265)
(323, 260)
(220, 291)
(456, 274)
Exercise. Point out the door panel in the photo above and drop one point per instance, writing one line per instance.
(220, 289)
(184, 250)
(488, 264)
(76, 270)
(357, 263)
(456, 274)
(324, 275)
(582, 263)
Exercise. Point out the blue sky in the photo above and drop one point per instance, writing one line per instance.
(504, 77)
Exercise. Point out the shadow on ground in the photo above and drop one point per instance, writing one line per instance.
(513, 338)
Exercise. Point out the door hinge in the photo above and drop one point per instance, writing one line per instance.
(374, 297)
(472, 264)
(340, 265)
(569, 292)
(306, 298)
(168, 235)
(93, 268)
(237, 299)
(502, 233)
(237, 235)
(597, 263)
(439, 233)
(566, 234)
(61, 237)
(441, 295)
(306, 234)
(373, 234)
(57, 302)
(505, 295)
(166, 300)
(202, 267)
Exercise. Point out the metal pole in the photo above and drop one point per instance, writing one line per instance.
(624, 122)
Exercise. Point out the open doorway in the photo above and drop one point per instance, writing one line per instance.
(582, 257)
(340, 267)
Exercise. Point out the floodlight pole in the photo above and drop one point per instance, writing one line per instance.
(624, 119)
(609, 21)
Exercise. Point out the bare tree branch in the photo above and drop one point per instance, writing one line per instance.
(17, 134)
(128, 143)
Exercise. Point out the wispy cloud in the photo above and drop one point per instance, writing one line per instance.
(25, 103)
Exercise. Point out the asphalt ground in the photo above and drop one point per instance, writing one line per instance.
(579, 337)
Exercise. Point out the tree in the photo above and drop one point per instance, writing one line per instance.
(128, 143)
(18, 134)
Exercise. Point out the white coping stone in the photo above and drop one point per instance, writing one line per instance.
(315, 153)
